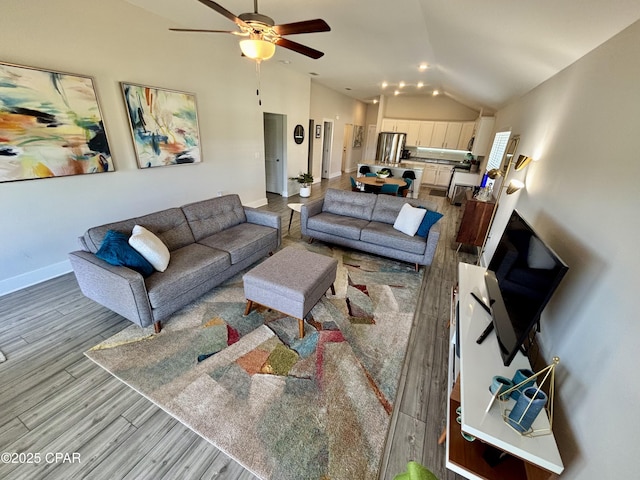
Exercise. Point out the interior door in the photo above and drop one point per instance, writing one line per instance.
(274, 151)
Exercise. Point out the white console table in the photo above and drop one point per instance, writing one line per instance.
(469, 379)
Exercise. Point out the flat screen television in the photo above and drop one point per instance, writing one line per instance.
(522, 275)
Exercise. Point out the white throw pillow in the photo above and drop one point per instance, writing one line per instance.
(409, 219)
(150, 247)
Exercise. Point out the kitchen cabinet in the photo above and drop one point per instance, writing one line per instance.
(425, 133)
(435, 174)
(439, 133)
(413, 133)
(483, 136)
(446, 135)
(466, 134)
(395, 125)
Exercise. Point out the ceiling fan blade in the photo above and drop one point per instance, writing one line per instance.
(297, 47)
(223, 11)
(197, 30)
(308, 26)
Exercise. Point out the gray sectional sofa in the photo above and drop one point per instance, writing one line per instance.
(209, 241)
(364, 221)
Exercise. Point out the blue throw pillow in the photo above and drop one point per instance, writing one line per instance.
(428, 221)
(115, 249)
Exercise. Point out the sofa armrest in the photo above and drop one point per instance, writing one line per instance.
(309, 210)
(432, 243)
(118, 288)
(267, 219)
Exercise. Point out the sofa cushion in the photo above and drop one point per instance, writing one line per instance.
(384, 234)
(348, 203)
(342, 226)
(150, 247)
(190, 266)
(170, 226)
(115, 250)
(243, 240)
(214, 215)
(94, 237)
(388, 208)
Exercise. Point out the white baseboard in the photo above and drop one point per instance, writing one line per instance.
(25, 280)
(258, 203)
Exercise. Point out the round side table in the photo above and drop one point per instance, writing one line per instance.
(295, 207)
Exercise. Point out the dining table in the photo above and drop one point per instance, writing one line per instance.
(378, 182)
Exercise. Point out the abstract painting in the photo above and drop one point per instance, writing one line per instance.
(358, 136)
(164, 125)
(50, 125)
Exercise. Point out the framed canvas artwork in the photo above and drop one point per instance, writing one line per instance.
(358, 136)
(164, 125)
(50, 125)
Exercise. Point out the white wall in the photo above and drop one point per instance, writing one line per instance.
(327, 104)
(113, 42)
(581, 195)
(423, 107)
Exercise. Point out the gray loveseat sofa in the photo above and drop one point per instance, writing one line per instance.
(364, 221)
(209, 241)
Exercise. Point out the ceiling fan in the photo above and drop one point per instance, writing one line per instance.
(262, 35)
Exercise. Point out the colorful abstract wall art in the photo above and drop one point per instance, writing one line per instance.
(50, 125)
(164, 125)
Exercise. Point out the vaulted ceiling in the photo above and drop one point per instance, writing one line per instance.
(481, 53)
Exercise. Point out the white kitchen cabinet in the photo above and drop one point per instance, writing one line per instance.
(466, 134)
(429, 174)
(413, 133)
(443, 175)
(425, 134)
(389, 125)
(439, 133)
(453, 135)
(482, 136)
(436, 175)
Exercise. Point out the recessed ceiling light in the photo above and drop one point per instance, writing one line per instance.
(401, 84)
(423, 67)
(314, 74)
(285, 62)
(420, 85)
(385, 84)
(347, 88)
(436, 92)
(375, 100)
(397, 92)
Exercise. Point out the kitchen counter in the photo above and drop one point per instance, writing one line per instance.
(397, 169)
(439, 161)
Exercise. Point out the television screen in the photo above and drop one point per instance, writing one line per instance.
(521, 278)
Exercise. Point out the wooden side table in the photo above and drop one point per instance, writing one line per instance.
(475, 222)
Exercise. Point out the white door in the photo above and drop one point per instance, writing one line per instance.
(327, 140)
(274, 151)
(346, 143)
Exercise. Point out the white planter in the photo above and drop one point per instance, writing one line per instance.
(305, 191)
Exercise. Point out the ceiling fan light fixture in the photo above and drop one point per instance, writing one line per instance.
(257, 49)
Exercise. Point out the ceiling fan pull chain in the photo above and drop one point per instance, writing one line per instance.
(258, 83)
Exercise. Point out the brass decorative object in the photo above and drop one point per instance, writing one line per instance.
(549, 374)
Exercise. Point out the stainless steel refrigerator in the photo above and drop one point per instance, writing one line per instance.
(390, 146)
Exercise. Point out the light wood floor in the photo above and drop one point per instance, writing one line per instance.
(54, 400)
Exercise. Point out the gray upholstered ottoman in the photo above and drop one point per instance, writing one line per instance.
(292, 281)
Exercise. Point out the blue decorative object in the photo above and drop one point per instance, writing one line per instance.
(428, 221)
(520, 376)
(526, 409)
(500, 384)
(115, 250)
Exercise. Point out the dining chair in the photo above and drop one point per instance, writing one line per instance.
(364, 169)
(370, 174)
(389, 189)
(354, 185)
(404, 190)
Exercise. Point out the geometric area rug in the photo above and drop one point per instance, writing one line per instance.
(284, 408)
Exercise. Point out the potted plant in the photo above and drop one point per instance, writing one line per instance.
(305, 180)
